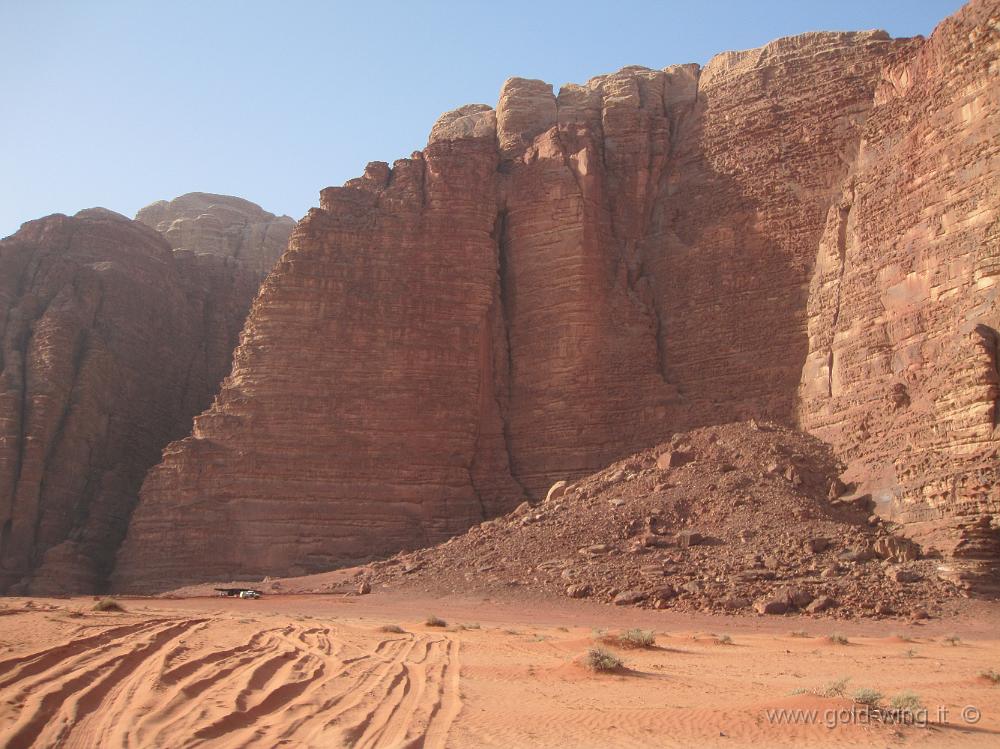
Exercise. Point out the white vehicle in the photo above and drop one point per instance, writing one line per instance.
(238, 592)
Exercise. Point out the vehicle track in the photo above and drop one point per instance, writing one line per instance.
(161, 682)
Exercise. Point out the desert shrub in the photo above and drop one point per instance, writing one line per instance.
(906, 702)
(991, 675)
(798, 633)
(435, 621)
(637, 638)
(867, 696)
(838, 639)
(836, 688)
(108, 604)
(725, 640)
(392, 629)
(953, 640)
(599, 659)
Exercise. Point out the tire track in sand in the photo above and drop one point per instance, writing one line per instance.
(161, 682)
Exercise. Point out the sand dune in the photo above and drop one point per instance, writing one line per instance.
(319, 671)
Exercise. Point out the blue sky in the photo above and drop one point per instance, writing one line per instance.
(119, 104)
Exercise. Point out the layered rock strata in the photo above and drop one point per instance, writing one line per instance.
(902, 375)
(546, 287)
(109, 343)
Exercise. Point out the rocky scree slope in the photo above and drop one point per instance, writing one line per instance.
(739, 517)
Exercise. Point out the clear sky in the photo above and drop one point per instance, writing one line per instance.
(119, 104)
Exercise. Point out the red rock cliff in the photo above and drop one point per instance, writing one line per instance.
(902, 371)
(109, 343)
(546, 287)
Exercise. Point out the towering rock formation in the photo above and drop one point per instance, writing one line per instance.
(902, 372)
(109, 343)
(221, 225)
(544, 288)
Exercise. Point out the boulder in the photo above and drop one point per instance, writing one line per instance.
(817, 545)
(772, 605)
(857, 554)
(797, 597)
(556, 491)
(580, 590)
(821, 603)
(630, 597)
(673, 459)
(594, 550)
(901, 575)
(735, 603)
(685, 539)
(896, 549)
(694, 587)
(663, 592)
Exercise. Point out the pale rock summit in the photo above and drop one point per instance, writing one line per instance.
(221, 225)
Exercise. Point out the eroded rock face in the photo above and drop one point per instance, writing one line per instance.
(221, 225)
(109, 343)
(543, 289)
(901, 375)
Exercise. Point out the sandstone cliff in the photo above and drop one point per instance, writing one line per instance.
(221, 225)
(109, 343)
(546, 287)
(902, 371)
